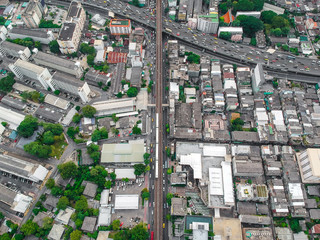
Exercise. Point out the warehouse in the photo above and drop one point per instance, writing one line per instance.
(12, 118)
(126, 202)
(109, 107)
(123, 153)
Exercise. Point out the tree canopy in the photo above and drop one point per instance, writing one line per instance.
(37, 149)
(29, 228)
(63, 203)
(250, 25)
(139, 169)
(56, 129)
(67, 170)
(267, 16)
(75, 235)
(88, 111)
(99, 134)
(54, 46)
(50, 183)
(86, 49)
(7, 82)
(81, 204)
(132, 92)
(28, 126)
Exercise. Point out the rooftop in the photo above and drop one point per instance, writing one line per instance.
(122, 153)
(48, 114)
(90, 190)
(56, 232)
(89, 224)
(28, 32)
(28, 65)
(66, 32)
(227, 228)
(51, 60)
(120, 22)
(56, 101)
(126, 202)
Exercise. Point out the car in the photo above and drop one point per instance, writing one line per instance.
(215, 38)
(151, 150)
(249, 58)
(215, 42)
(150, 159)
(178, 34)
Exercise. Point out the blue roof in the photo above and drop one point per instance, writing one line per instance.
(13, 135)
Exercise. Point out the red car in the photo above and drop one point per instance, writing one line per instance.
(178, 34)
(151, 150)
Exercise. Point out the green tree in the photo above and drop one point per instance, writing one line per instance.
(63, 203)
(223, 8)
(48, 138)
(139, 232)
(267, 16)
(29, 228)
(276, 32)
(108, 184)
(75, 235)
(243, 5)
(139, 169)
(56, 191)
(119, 95)
(114, 118)
(90, 60)
(92, 148)
(132, 92)
(71, 132)
(169, 197)
(88, 111)
(115, 131)
(225, 35)
(76, 118)
(253, 42)
(145, 194)
(7, 82)
(47, 223)
(136, 130)
(68, 170)
(37, 149)
(5, 236)
(50, 183)
(81, 204)
(113, 176)
(78, 222)
(86, 49)
(18, 237)
(54, 46)
(56, 129)
(28, 126)
(250, 25)
(115, 225)
(280, 22)
(1, 216)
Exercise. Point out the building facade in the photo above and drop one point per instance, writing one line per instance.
(208, 23)
(69, 38)
(33, 13)
(120, 26)
(309, 164)
(14, 50)
(36, 35)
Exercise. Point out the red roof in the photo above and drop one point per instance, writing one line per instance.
(116, 57)
(316, 229)
(228, 75)
(228, 17)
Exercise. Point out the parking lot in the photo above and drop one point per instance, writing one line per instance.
(129, 218)
(58, 15)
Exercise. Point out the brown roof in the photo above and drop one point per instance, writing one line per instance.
(116, 57)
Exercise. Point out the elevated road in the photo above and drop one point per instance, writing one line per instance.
(158, 193)
(224, 50)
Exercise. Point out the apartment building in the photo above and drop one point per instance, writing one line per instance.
(14, 50)
(26, 69)
(58, 63)
(33, 13)
(120, 26)
(208, 23)
(69, 38)
(308, 161)
(76, 14)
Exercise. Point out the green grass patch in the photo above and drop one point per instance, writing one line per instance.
(58, 147)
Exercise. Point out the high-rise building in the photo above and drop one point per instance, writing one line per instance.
(208, 23)
(309, 164)
(33, 13)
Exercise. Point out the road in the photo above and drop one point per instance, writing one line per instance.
(158, 194)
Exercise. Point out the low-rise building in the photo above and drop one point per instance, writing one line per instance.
(58, 63)
(126, 202)
(44, 37)
(124, 153)
(257, 233)
(178, 207)
(56, 232)
(89, 224)
(109, 107)
(14, 50)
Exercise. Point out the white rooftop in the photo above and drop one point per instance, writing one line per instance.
(214, 151)
(125, 173)
(295, 191)
(215, 181)
(227, 183)
(194, 160)
(126, 202)
(21, 203)
(12, 118)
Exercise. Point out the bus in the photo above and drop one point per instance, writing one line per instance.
(169, 30)
(152, 235)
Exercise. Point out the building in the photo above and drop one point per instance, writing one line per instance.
(48, 114)
(123, 153)
(249, 14)
(90, 190)
(25, 171)
(227, 228)
(18, 202)
(14, 102)
(33, 13)
(56, 101)
(56, 232)
(58, 63)
(23, 69)
(69, 38)
(98, 20)
(178, 207)
(76, 14)
(120, 26)
(257, 78)
(45, 37)
(109, 107)
(257, 234)
(64, 216)
(11, 117)
(208, 23)
(14, 50)
(89, 224)
(309, 165)
(125, 173)
(126, 202)
(232, 30)
(270, 7)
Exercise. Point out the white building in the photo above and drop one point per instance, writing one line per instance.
(3, 33)
(309, 164)
(33, 13)
(232, 30)
(11, 117)
(257, 78)
(126, 202)
(249, 14)
(14, 50)
(208, 23)
(120, 26)
(26, 69)
(44, 37)
(69, 38)
(106, 108)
